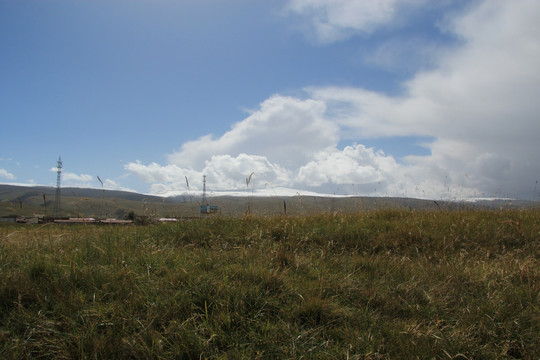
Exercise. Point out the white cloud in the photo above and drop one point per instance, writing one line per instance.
(285, 130)
(230, 172)
(224, 173)
(154, 172)
(478, 102)
(334, 20)
(6, 174)
(353, 165)
(273, 142)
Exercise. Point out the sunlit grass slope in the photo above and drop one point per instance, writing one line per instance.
(387, 284)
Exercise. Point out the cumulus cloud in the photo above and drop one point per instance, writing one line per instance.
(164, 179)
(285, 130)
(286, 143)
(273, 141)
(353, 165)
(6, 174)
(230, 172)
(478, 103)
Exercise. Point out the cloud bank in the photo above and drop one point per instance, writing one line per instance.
(478, 102)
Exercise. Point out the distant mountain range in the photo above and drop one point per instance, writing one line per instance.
(12, 192)
(29, 200)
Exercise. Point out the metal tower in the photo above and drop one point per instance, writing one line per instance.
(205, 207)
(204, 201)
(57, 208)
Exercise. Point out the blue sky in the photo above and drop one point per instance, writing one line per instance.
(380, 97)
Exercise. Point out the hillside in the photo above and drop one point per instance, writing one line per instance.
(76, 202)
(25, 201)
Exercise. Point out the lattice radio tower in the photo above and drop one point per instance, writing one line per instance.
(57, 207)
(204, 199)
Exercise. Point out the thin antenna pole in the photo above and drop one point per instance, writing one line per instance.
(102, 197)
(45, 203)
(204, 191)
(57, 202)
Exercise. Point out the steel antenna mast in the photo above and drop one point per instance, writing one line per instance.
(204, 201)
(57, 202)
(205, 207)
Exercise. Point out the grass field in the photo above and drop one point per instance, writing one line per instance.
(387, 284)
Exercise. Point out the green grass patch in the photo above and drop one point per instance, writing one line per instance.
(378, 285)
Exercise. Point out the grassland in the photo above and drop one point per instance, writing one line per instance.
(387, 284)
